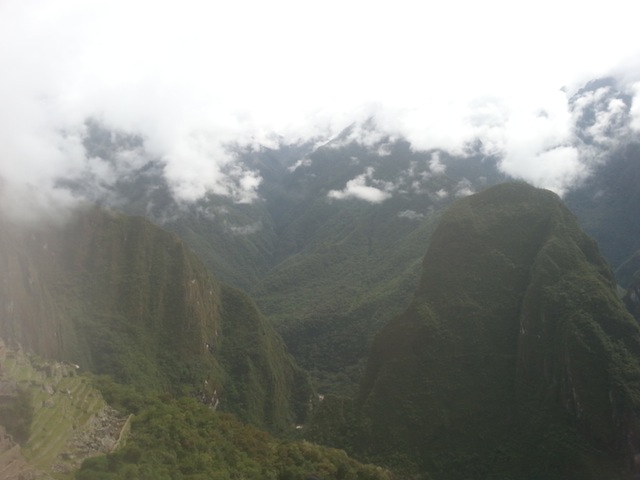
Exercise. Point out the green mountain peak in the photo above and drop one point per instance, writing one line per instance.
(515, 358)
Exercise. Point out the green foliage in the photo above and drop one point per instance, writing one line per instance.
(359, 270)
(16, 415)
(269, 389)
(515, 359)
(122, 297)
(127, 398)
(329, 274)
(182, 439)
(336, 421)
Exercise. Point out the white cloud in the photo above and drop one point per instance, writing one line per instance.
(384, 150)
(635, 107)
(245, 229)
(607, 115)
(609, 123)
(463, 189)
(192, 77)
(358, 188)
(435, 165)
(411, 215)
(556, 169)
(536, 143)
(441, 194)
(303, 162)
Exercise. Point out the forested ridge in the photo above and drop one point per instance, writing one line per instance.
(358, 316)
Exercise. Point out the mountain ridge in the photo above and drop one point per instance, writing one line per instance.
(120, 296)
(515, 358)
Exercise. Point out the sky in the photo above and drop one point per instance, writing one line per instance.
(193, 77)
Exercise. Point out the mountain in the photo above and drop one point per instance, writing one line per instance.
(606, 204)
(515, 358)
(345, 263)
(330, 249)
(606, 201)
(327, 263)
(117, 295)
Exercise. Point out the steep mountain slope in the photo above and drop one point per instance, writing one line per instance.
(515, 358)
(345, 265)
(325, 262)
(338, 266)
(118, 295)
(331, 246)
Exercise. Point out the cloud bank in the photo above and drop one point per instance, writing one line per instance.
(192, 78)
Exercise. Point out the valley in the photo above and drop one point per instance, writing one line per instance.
(378, 312)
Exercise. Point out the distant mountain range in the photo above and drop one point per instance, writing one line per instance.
(448, 331)
(332, 247)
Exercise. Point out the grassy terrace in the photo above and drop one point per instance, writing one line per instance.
(67, 408)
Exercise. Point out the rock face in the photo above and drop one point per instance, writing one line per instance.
(118, 295)
(515, 359)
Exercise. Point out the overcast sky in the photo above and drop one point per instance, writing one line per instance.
(191, 77)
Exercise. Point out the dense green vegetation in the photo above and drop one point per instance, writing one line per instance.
(328, 273)
(183, 439)
(176, 348)
(119, 296)
(509, 356)
(515, 359)
(264, 385)
(16, 415)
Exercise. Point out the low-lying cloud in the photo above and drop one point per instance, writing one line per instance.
(195, 78)
(411, 215)
(361, 188)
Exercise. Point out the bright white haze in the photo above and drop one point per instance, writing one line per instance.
(192, 77)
